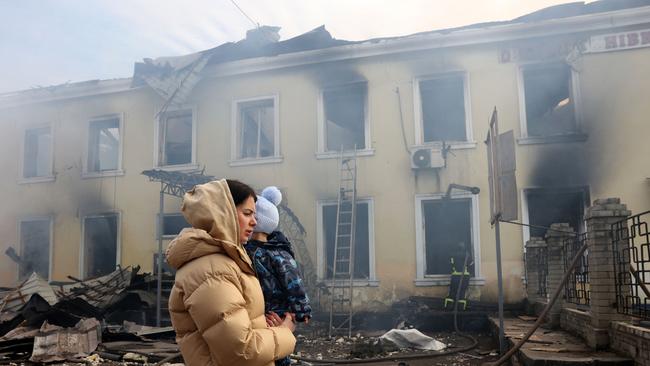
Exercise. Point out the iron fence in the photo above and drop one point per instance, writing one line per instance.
(631, 246)
(577, 288)
(542, 271)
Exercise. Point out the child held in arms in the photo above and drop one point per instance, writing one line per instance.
(275, 264)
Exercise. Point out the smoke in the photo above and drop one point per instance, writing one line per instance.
(559, 165)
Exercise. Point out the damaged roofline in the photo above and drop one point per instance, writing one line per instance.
(369, 48)
(423, 42)
(82, 89)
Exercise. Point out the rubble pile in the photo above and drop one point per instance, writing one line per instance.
(83, 321)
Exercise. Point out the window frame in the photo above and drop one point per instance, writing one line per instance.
(106, 173)
(41, 179)
(575, 95)
(166, 214)
(118, 244)
(235, 144)
(49, 218)
(320, 243)
(192, 165)
(418, 116)
(420, 246)
(322, 152)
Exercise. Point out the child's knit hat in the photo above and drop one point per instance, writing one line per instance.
(266, 211)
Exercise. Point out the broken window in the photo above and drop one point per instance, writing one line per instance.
(256, 129)
(549, 206)
(173, 224)
(35, 248)
(447, 235)
(361, 243)
(549, 100)
(175, 138)
(37, 154)
(100, 244)
(443, 109)
(345, 117)
(104, 145)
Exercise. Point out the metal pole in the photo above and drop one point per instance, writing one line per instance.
(502, 343)
(160, 259)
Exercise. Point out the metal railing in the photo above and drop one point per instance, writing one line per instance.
(631, 247)
(577, 289)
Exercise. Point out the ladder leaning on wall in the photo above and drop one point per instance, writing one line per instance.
(344, 239)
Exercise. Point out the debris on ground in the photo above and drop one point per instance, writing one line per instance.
(107, 321)
(412, 338)
(368, 344)
(84, 321)
(54, 343)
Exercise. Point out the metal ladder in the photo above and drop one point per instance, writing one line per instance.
(343, 259)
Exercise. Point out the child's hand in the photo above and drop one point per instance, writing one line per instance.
(289, 322)
(273, 319)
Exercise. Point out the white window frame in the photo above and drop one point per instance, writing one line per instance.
(420, 245)
(320, 243)
(166, 214)
(578, 134)
(192, 165)
(46, 178)
(322, 153)
(525, 217)
(109, 173)
(82, 251)
(419, 118)
(51, 244)
(235, 143)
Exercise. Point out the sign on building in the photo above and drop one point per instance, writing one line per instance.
(618, 41)
(501, 170)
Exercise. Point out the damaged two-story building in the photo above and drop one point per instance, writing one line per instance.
(571, 81)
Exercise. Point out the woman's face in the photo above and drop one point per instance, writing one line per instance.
(246, 217)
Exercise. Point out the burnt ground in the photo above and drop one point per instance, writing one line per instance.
(313, 343)
(366, 345)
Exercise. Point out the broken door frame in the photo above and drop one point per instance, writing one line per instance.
(82, 246)
(525, 219)
(421, 279)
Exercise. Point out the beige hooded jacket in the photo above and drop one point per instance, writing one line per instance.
(216, 304)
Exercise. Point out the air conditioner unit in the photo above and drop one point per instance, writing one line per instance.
(427, 158)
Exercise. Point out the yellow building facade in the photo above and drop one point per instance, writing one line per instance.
(74, 201)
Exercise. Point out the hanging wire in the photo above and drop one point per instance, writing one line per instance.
(256, 24)
(538, 227)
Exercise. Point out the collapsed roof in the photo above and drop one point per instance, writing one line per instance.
(264, 41)
(174, 77)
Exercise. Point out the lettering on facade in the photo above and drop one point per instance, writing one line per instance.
(538, 51)
(619, 41)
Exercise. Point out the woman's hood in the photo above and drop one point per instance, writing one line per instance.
(211, 211)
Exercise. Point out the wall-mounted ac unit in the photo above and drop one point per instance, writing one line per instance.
(427, 158)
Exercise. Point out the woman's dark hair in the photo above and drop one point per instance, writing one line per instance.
(240, 191)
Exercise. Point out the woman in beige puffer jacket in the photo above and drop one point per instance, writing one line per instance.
(216, 304)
